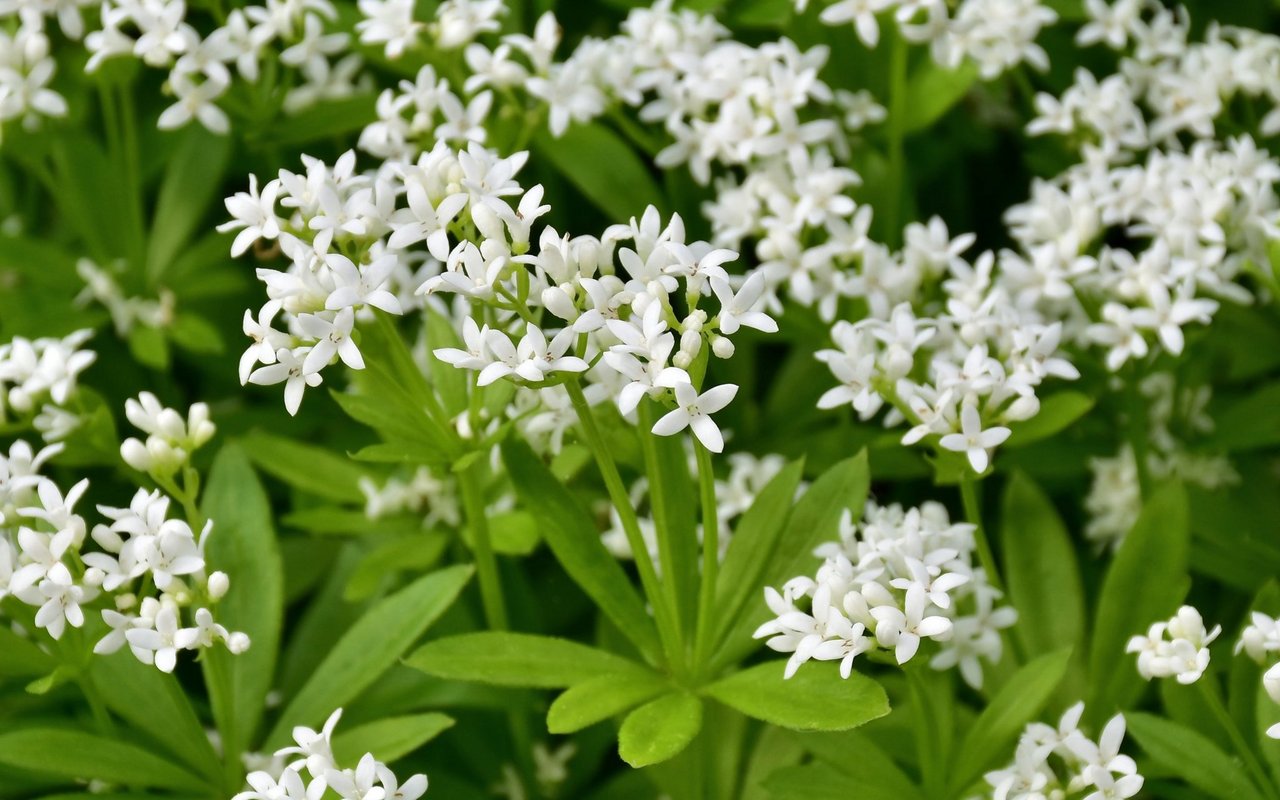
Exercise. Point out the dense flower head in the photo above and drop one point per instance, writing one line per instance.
(313, 772)
(38, 381)
(1177, 648)
(894, 580)
(145, 571)
(1063, 762)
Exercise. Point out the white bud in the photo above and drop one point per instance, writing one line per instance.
(1023, 408)
(691, 343)
(94, 576)
(682, 360)
(218, 585)
(136, 455)
(238, 642)
(722, 347)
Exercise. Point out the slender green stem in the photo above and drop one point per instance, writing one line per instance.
(923, 726)
(471, 483)
(133, 175)
(1210, 693)
(662, 530)
(663, 614)
(710, 553)
(1137, 429)
(897, 134)
(973, 513)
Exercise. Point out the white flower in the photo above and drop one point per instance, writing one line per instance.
(694, 411)
(333, 337)
(357, 286)
(157, 645)
(254, 213)
(289, 370)
(1184, 654)
(903, 628)
(972, 440)
(740, 309)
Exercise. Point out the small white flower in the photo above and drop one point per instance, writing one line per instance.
(972, 440)
(694, 411)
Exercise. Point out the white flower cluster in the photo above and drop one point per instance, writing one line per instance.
(423, 493)
(26, 70)
(1115, 496)
(423, 112)
(1196, 219)
(897, 578)
(1184, 653)
(44, 564)
(1167, 86)
(1062, 762)
(748, 474)
(170, 439)
(997, 35)
(38, 380)
(101, 286)
(1261, 638)
(351, 243)
(292, 35)
(457, 22)
(313, 756)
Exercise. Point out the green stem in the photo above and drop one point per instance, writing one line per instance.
(973, 514)
(710, 554)
(1137, 429)
(1259, 775)
(471, 483)
(897, 134)
(664, 615)
(658, 504)
(923, 725)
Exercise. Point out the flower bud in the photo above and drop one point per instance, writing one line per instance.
(135, 454)
(218, 585)
(94, 576)
(238, 642)
(691, 343)
(682, 360)
(1023, 408)
(722, 347)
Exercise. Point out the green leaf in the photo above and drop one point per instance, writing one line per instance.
(1147, 579)
(517, 659)
(374, 643)
(192, 178)
(754, 539)
(876, 774)
(307, 467)
(814, 699)
(331, 119)
(149, 347)
(1042, 574)
(451, 383)
(811, 781)
(1191, 756)
(572, 536)
(243, 544)
(1018, 702)
(1057, 412)
(418, 551)
(602, 166)
(595, 700)
(20, 657)
(86, 756)
(814, 520)
(933, 90)
(1250, 423)
(514, 533)
(195, 334)
(660, 729)
(154, 702)
(389, 739)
